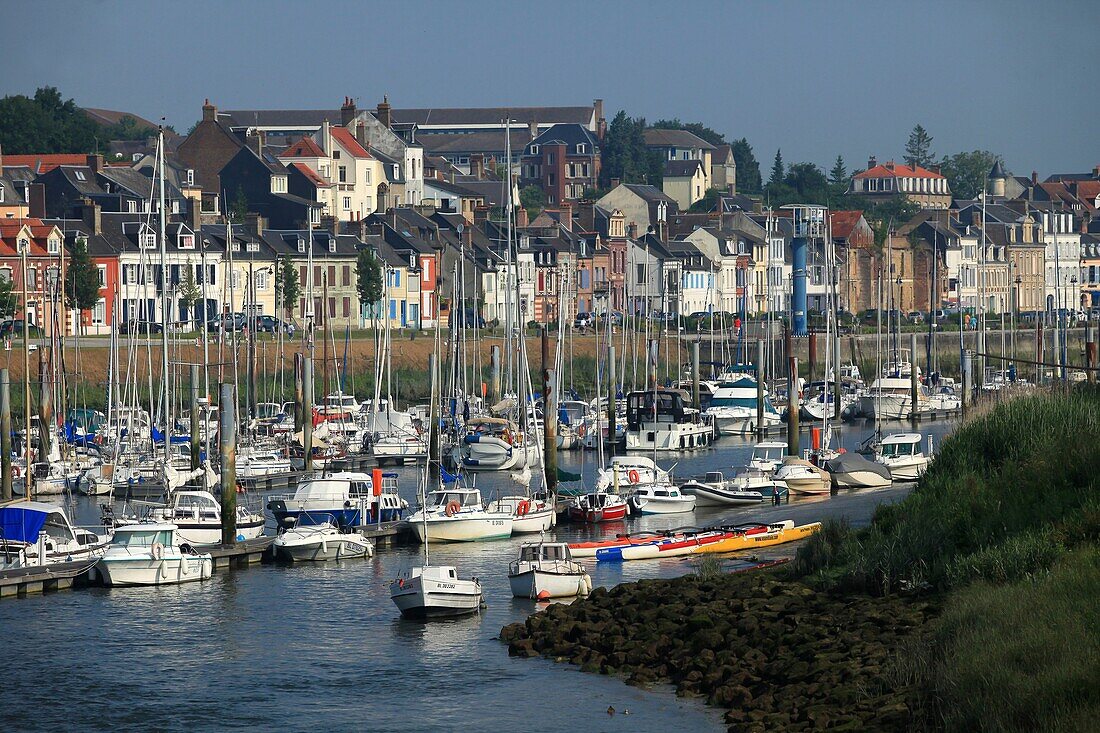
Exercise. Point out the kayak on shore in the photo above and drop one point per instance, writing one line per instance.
(676, 543)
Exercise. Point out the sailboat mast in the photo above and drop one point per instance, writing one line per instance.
(164, 300)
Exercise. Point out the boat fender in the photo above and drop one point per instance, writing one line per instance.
(522, 508)
(453, 508)
(157, 550)
(633, 476)
(347, 504)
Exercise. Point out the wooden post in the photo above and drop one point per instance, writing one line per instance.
(307, 412)
(611, 380)
(549, 421)
(494, 375)
(792, 406)
(227, 443)
(5, 438)
(695, 375)
(298, 391)
(45, 410)
(914, 388)
(965, 367)
(194, 416)
(760, 428)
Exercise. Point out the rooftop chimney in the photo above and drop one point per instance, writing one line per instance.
(1034, 178)
(95, 162)
(255, 140)
(522, 221)
(632, 230)
(209, 112)
(92, 215)
(254, 223)
(477, 165)
(566, 215)
(347, 112)
(36, 200)
(615, 183)
(533, 129)
(889, 165)
(872, 162)
(384, 113)
(361, 134)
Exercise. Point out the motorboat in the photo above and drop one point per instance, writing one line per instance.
(39, 533)
(494, 444)
(253, 463)
(749, 487)
(901, 453)
(530, 514)
(457, 515)
(853, 471)
(768, 456)
(659, 545)
(661, 420)
(733, 407)
(598, 506)
(547, 570)
(435, 591)
(802, 477)
(398, 447)
(819, 400)
(661, 498)
(630, 470)
(152, 554)
(319, 538)
(347, 496)
(197, 516)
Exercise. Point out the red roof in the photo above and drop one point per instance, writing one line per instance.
(843, 222)
(10, 228)
(304, 148)
(309, 173)
(893, 170)
(44, 163)
(349, 143)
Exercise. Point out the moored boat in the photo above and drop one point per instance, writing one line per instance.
(320, 539)
(901, 453)
(547, 570)
(456, 515)
(435, 591)
(802, 477)
(598, 506)
(152, 554)
(853, 471)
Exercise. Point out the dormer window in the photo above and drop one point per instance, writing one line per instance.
(80, 175)
(301, 245)
(332, 246)
(534, 150)
(236, 247)
(54, 245)
(582, 148)
(278, 184)
(396, 170)
(147, 240)
(190, 176)
(187, 241)
(253, 247)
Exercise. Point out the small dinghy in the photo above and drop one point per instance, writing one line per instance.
(318, 538)
(546, 570)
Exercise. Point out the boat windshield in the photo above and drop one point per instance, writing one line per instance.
(892, 450)
(443, 498)
(141, 538)
(768, 453)
(267, 409)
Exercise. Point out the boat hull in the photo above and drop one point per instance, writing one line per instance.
(149, 571)
(345, 547)
(426, 598)
(645, 505)
(772, 536)
(540, 584)
(595, 516)
(907, 470)
(706, 495)
(461, 529)
(859, 480)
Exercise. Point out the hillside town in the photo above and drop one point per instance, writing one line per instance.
(253, 196)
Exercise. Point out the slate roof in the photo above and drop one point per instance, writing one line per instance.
(649, 193)
(569, 134)
(682, 168)
(489, 141)
(303, 148)
(661, 138)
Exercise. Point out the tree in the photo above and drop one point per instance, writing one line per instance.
(803, 183)
(239, 208)
(533, 199)
(748, 169)
(9, 301)
(188, 290)
(623, 154)
(967, 172)
(81, 278)
(839, 174)
(695, 128)
(127, 128)
(287, 287)
(45, 123)
(369, 284)
(918, 151)
(886, 214)
(777, 169)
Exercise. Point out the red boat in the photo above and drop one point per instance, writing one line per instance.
(597, 507)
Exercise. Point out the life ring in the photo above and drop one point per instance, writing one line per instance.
(522, 508)
(15, 473)
(633, 476)
(157, 550)
(453, 507)
(582, 430)
(506, 437)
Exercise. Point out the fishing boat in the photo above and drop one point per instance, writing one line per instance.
(39, 533)
(749, 487)
(319, 538)
(151, 554)
(901, 454)
(457, 515)
(598, 506)
(197, 516)
(753, 535)
(802, 477)
(661, 498)
(661, 420)
(547, 570)
(853, 471)
(348, 497)
(435, 591)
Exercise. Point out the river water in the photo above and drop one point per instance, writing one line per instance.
(322, 647)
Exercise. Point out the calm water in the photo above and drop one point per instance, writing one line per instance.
(321, 646)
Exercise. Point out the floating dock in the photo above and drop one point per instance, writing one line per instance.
(43, 578)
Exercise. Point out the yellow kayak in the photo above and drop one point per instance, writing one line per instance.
(775, 534)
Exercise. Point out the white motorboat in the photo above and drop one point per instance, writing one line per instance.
(853, 471)
(661, 420)
(38, 533)
(901, 453)
(435, 591)
(318, 538)
(151, 554)
(803, 477)
(768, 456)
(456, 515)
(547, 570)
(197, 516)
(494, 444)
(733, 407)
(630, 470)
(398, 447)
(262, 463)
(749, 487)
(347, 496)
(530, 514)
(661, 498)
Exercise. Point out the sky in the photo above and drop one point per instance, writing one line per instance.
(816, 79)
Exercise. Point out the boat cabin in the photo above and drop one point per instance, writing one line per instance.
(900, 444)
(466, 498)
(553, 551)
(138, 536)
(768, 452)
(195, 505)
(661, 405)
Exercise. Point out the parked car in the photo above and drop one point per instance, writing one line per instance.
(138, 325)
(271, 324)
(583, 320)
(227, 322)
(915, 317)
(469, 317)
(616, 318)
(11, 328)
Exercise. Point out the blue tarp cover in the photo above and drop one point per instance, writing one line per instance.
(20, 524)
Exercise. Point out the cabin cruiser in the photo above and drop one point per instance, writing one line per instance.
(661, 498)
(494, 444)
(767, 456)
(319, 538)
(529, 513)
(197, 516)
(347, 496)
(901, 453)
(853, 471)
(152, 554)
(259, 462)
(752, 486)
(661, 420)
(457, 515)
(803, 477)
(598, 506)
(435, 591)
(547, 570)
(38, 533)
(818, 401)
(733, 407)
(398, 446)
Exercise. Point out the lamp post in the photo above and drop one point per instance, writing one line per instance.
(1015, 312)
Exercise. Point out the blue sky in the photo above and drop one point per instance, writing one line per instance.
(816, 78)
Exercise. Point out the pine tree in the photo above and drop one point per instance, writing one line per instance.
(748, 169)
(777, 169)
(369, 281)
(839, 174)
(918, 151)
